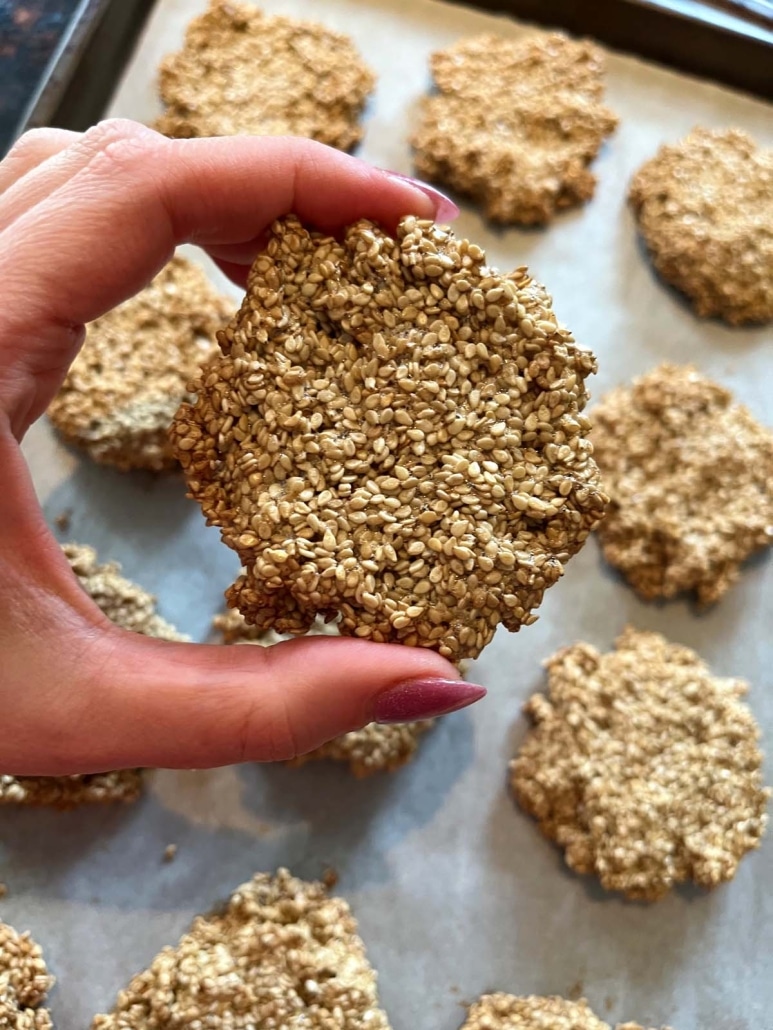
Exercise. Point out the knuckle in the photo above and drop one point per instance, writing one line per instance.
(119, 145)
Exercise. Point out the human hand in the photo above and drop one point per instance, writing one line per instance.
(85, 222)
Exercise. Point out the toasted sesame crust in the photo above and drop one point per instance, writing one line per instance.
(393, 435)
(515, 124)
(705, 209)
(643, 766)
(243, 72)
(507, 1012)
(121, 392)
(131, 608)
(374, 748)
(690, 479)
(284, 955)
(24, 982)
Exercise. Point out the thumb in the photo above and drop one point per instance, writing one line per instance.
(143, 702)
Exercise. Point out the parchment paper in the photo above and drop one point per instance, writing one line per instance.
(455, 889)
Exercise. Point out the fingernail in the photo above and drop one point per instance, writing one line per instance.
(445, 209)
(424, 699)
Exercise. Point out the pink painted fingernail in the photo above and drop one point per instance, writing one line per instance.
(424, 699)
(445, 209)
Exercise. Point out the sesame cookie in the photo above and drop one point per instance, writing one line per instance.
(705, 209)
(374, 748)
(24, 982)
(515, 124)
(393, 436)
(690, 479)
(643, 766)
(243, 72)
(131, 608)
(506, 1012)
(126, 383)
(283, 954)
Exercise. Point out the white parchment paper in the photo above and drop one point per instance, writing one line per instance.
(456, 891)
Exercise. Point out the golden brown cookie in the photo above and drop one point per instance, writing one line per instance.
(515, 123)
(129, 607)
(393, 435)
(24, 982)
(690, 479)
(705, 209)
(122, 390)
(243, 72)
(374, 748)
(507, 1012)
(284, 954)
(643, 766)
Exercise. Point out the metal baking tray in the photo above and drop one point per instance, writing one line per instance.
(455, 889)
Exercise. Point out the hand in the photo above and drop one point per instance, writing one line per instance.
(85, 222)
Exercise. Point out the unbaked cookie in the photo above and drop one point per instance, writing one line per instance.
(643, 766)
(243, 72)
(393, 435)
(121, 392)
(24, 982)
(507, 1012)
(129, 607)
(705, 209)
(690, 479)
(515, 124)
(374, 748)
(284, 954)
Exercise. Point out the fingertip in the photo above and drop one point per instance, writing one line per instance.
(428, 202)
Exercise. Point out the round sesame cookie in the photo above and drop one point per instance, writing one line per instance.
(508, 1012)
(690, 480)
(24, 982)
(243, 72)
(131, 608)
(283, 954)
(515, 123)
(393, 436)
(705, 209)
(374, 748)
(121, 392)
(643, 766)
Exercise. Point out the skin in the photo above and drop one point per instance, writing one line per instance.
(86, 221)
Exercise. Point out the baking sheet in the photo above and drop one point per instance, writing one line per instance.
(455, 890)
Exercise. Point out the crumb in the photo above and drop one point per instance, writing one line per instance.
(62, 520)
(575, 991)
(243, 72)
(170, 853)
(119, 396)
(404, 448)
(507, 1012)
(330, 878)
(283, 954)
(3, 890)
(24, 982)
(643, 766)
(705, 209)
(374, 748)
(131, 608)
(515, 124)
(690, 479)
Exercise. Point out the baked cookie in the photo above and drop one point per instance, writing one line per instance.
(393, 436)
(284, 954)
(506, 1012)
(122, 390)
(243, 72)
(515, 123)
(690, 479)
(705, 209)
(374, 748)
(24, 982)
(129, 607)
(643, 766)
